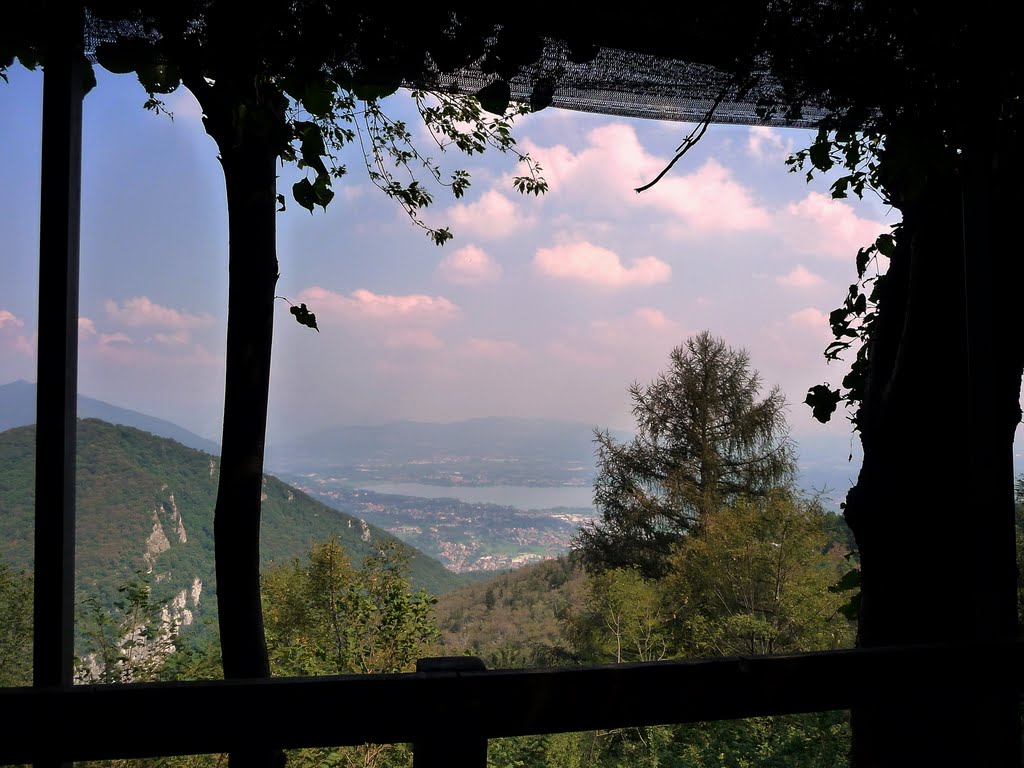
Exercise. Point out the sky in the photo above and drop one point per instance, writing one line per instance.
(545, 307)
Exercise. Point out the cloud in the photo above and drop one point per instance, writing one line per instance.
(593, 264)
(812, 319)
(604, 174)
(413, 339)
(822, 226)
(140, 311)
(86, 328)
(644, 323)
(764, 143)
(362, 305)
(108, 339)
(492, 349)
(800, 278)
(493, 216)
(469, 265)
(175, 339)
(8, 320)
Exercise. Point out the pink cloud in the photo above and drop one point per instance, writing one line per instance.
(593, 264)
(414, 339)
(140, 311)
(492, 349)
(108, 339)
(800, 277)
(8, 320)
(366, 305)
(605, 173)
(644, 323)
(469, 265)
(822, 226)
(810, 318)
(173, 339)
(493, 216)
(24, 345)
(86, 328)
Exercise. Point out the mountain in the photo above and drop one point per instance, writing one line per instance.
(18, 409)
(145, 506)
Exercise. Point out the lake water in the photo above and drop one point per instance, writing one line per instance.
(519, 496)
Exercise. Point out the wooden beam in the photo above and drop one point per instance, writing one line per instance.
(56, 405)
(88, 722)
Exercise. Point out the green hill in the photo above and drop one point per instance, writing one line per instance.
(145, 505)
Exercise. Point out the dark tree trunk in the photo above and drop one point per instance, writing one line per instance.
(249, 143)
(932, 510)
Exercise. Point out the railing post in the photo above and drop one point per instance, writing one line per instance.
(453, 748)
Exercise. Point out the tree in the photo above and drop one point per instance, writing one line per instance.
(15, 626)
(326, 617)
(756, 580)
(703, 438)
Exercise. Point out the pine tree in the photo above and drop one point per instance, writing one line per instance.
(703, 438)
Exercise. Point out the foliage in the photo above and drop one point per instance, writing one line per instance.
(15, 626)
(129, 643)
(756, 580)
(703, 438)
(327, 617)
(623, 619)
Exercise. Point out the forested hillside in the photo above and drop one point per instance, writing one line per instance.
(145, 510)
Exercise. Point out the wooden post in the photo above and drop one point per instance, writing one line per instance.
(452, 748)
(57, 376)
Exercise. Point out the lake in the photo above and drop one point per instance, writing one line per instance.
(519, 496)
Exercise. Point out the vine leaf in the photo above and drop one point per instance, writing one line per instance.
(823, 401)
(304, 317)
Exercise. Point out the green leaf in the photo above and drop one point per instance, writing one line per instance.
(823, 401)
(304, 317)
(495, 97)
(886, 245)
(304, 194)
(318, 97)
(863, 257)
(849, 581)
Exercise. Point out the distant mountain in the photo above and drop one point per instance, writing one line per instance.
(18, 409)
(145, 505)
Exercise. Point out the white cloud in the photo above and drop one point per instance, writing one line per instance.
(8, 320)
(469, 265)
(140, 311)
(800, 278)
(493, 216)
(822, 226)
(363, 305)
(764, 143)
(593, 264)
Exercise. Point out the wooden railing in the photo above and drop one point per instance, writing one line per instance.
(450, 707)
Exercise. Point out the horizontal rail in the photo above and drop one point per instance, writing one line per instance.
(99, 721)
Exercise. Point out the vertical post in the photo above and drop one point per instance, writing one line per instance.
(57, 375)
(452, 749)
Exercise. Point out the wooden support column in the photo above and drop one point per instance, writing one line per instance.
(455, 747)
(57, 376)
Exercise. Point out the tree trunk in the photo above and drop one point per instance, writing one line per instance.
(248, 154)
(932, 509)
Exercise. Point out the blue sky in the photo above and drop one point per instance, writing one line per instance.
(540, 307)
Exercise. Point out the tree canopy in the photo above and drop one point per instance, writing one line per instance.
(704, 437)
